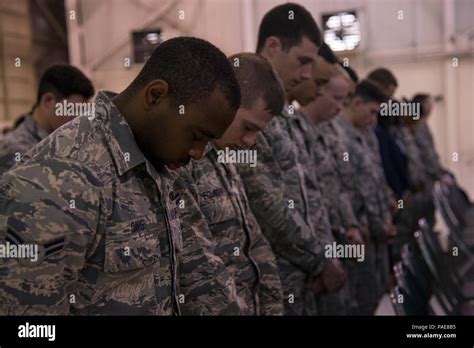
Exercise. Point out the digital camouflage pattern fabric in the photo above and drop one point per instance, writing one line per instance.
(368, 181)
(330, 169)
(105, 220)
(430, 157)
(19, 141)
(280, 190)
(236, 235)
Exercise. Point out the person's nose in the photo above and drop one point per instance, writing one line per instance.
(197, 151)
(249, 140)
(306, 72)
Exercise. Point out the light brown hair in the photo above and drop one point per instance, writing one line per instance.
(258, 79)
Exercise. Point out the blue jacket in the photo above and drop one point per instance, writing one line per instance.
(394, 160)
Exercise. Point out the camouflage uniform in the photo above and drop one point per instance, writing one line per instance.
(327, 173)
(417, 174)
(382, 248)
(205, 286)
(432, 165)
(338, 204)
(368, 180)
(19, 141)
(429, 156)
(105, 221)
(303, 136)
(420, 203)
(281, 191)
(237, 237)
(351, 206)
(371, 139)
(353, 214)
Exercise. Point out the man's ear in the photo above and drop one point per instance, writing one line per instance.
(155, 92)
(273, 46)
(48, 101)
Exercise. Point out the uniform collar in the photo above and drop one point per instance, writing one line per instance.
(120, 139)
(304, 122)
(33, 127)
(318, 131)
(286, 111)
(211, 151)
(349, 127)
(208, 148)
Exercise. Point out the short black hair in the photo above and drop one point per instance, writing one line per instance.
(258, 79)
(63, 81)
(369, 92)
(420, 98)
(290, 30)
(383, 76)
(326, 52)
(193, 68)
(352, 74)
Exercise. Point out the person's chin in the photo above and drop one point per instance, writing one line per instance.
(240, 147)
(177, 165)
(329, 118)
(173, 166)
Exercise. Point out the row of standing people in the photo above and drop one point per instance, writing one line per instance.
(136, 210)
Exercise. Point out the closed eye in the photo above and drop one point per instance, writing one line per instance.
(201, 135)
(305, 60)
(196, 136)
(208, 135)
(251, 127)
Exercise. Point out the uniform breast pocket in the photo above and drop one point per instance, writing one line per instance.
(219, 210)
(131, 245)
(286, 159)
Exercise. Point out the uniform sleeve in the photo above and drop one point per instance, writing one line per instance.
(53, 206)
(7, 160)
(204, 281)
(348, 194)
(351, 200)
(375, 219)
(270, 289)
(431, 157)
(373, 207)
(348, 216)
(289, 235)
